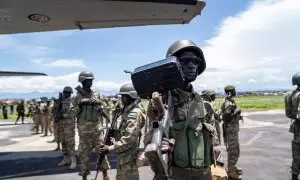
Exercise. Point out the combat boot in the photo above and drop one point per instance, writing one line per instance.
(105, 175)
(238, 170)
(295, 177)
(66, 161)
(73, 163)
(233, 173)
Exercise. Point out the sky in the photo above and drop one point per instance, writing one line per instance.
(252, 44)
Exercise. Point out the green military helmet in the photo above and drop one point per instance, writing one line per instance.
(209, 92)
(229, 88)
(85, 75)
(296, 79)
(186, 45)
(68, 89)
(128, 89)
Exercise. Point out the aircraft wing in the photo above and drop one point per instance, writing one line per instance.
(12, 73)
(20, 16)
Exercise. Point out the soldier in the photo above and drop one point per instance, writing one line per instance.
(126, 143)
(188, 123)
(37, 117)
(209, 97)
(231, 115)
(11, 108)
(55, 125)
(48, 117)
(89, 123)
(67, 130)
(292, 109)
(4, 111)
(20, 111)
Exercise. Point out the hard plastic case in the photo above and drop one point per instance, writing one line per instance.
(160, 76)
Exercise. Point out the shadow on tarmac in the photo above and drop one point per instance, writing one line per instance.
(40, 166)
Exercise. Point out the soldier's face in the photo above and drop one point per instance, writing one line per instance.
(189, 64)
(213, 97)
(125, 100)
(88, 83)
(233, 93)
(67, 94)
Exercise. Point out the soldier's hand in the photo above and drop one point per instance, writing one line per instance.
(237, 111)
(84, 101)
(167, 145)
(155, 107)
(103, 150)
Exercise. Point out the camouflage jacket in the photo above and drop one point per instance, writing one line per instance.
(66, 111)
(86, 126)
(126, 143)
(208, 104)
(295, 126)
(190, 129)
(227, 109)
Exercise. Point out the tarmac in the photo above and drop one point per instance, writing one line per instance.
(264, 139)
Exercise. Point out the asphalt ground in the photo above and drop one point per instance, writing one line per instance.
(264, 139)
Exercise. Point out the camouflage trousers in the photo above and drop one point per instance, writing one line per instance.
(187, 174)
(47, 125)
(127, 171)
(67, 135)
(87, 142)
(232, 135)
(55, 126)
(217, 141)
(295, 169)
(38, 123)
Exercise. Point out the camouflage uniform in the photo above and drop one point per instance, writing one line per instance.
(90, 134)
(48, 119)
(37, 118)
(43, 115)
(67, 134)
(292, 109)
(191, 132)
(127, 142)
(55, 126)
(231, 128)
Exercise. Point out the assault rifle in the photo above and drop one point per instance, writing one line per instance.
(93, 102)
(162, 76)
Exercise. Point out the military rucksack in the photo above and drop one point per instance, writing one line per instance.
(292, 101)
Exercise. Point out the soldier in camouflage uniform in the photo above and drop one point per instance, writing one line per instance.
(190, 133)
(55, 126)
(209, 97)
(48, 117)
(37, 117)
(43, 114)
(231, 116)
(126, 143)
(292, 108)
(67, 130)
(90, 124)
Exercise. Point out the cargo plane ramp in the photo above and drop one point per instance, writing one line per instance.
(22, 16)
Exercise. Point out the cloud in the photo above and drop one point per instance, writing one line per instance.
(251, 81)
(64, 63)
(259, 43)
(50, 83)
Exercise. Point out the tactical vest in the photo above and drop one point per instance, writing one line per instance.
(88, 112)
(193, 137)
(292, 101)
(66, 109)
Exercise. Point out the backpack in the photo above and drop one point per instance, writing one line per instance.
(291, 102)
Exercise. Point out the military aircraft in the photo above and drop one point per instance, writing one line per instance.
(23, 16)
(12, 73)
